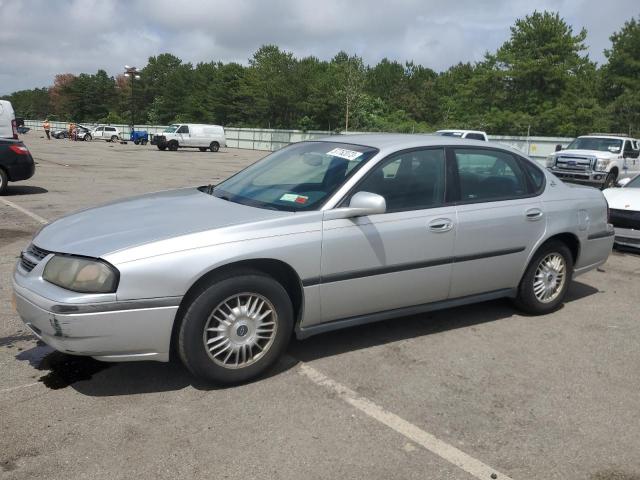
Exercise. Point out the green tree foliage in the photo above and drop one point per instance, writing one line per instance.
(540, 80)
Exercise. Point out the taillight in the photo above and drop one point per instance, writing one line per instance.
(19, 149)
(14, 127)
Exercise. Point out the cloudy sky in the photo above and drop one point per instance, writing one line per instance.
(40, 38)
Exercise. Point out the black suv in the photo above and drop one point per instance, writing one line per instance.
(16, 162)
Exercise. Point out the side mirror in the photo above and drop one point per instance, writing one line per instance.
(622, 182)
(558, 147)
(361, 205)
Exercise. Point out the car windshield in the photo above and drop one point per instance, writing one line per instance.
(170, 129)
(298, 177)
(612, 145)
(635, 183)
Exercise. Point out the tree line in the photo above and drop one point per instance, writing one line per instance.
(540, 80)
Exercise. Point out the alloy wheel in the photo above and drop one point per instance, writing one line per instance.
(549, 278)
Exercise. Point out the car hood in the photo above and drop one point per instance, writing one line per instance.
(623, 198)
(587, 153)
(98, 231)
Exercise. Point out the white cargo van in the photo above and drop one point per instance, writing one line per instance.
(8, 126)
(191, 135)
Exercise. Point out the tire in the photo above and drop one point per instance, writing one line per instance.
(162, 147)
(136, 142)
(610, 181)
(218, 363)
(202, 149)
(4, 181)
(114, 138)
(173, 145)
(88, 137)
(143, 141)
(214, 146)
(536, 304)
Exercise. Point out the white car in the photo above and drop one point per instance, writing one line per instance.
(468, 134)
(191, 135)
(8, 125)
(624, 211)
(110, 134)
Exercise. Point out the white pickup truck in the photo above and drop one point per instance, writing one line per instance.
(595, 160)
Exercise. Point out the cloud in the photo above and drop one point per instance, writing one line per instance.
(41, 38)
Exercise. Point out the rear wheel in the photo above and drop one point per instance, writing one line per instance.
(4, 181)
(214, 146)
(236, 327)
(173, 145)
(546, 280)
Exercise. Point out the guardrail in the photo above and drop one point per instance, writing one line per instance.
(271, 139)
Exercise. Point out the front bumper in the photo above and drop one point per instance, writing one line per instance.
(111, 331)
(627, 237)
(577, 176)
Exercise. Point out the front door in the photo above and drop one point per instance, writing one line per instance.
(397, 259)
(500, 220)
(183, 136)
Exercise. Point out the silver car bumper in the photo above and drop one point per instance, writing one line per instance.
(114, 331)
(627, 237)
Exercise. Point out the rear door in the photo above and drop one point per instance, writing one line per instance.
(397, 259)
(500, 218)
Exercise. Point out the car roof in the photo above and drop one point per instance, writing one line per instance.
(401, 141)
(455, 130)
(613, 137)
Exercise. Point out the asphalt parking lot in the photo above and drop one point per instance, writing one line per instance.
(482, 387)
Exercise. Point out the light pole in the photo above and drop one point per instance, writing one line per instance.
(134, 74)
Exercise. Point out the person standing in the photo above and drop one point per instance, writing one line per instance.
(47, 128)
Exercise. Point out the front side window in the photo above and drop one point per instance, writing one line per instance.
(412, 180)
(99, 129)
(183, 129)
(489, 175)
(298, 177)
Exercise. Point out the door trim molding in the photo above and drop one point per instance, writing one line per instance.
(401, 267)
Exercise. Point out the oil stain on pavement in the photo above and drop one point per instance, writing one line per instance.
(62, 369)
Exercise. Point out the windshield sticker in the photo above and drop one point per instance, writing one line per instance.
(294, 197)
(344, 153)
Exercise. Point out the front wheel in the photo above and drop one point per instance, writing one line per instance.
(610, 181)
(236, 327)
(162, 147)
(4, 181)
(546, 280)
(88, 137)
(214, 146)
(114, 138)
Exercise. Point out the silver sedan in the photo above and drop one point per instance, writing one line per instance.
(317, 236)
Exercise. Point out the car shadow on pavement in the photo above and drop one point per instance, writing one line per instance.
(17, 190)
(98, 379)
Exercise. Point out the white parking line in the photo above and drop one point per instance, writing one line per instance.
(11, 389)
(445, 451)
(35, 216)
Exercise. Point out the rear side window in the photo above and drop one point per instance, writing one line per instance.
(475, 136)
(489, 175)
(535, 175)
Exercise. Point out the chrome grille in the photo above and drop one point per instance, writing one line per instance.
(32, 256)
(580, 164)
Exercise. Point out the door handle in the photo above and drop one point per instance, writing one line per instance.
(440, 225)
(534, 214)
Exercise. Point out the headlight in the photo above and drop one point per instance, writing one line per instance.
(601, 164)
(80, 274)
(551, 160)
